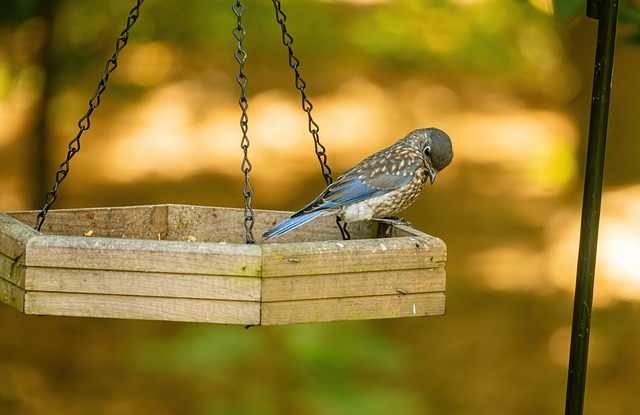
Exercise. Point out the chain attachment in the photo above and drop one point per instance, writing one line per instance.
(247, 189)
(84, 124)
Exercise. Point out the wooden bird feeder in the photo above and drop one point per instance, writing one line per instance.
(193, 263)
(190, 263)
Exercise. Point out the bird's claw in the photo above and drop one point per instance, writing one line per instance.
(393, 221)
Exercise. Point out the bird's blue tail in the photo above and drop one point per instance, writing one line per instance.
(290, 223)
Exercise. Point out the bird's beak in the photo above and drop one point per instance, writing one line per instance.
(432, 175)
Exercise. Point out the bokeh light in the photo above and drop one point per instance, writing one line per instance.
(508, 81)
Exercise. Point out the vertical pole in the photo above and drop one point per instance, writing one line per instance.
(606, 11)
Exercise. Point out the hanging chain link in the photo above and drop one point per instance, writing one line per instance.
(84, 124)
(294, 63)
(247, 189)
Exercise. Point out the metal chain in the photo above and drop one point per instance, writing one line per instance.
(247, 189)
(294, 63)
(84, 123)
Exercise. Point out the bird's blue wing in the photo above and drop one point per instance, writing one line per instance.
(349, 191)
(352, 187)
(289, 224)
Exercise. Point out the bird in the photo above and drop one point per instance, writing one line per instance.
(380, 185)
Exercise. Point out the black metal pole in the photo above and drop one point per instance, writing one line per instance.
(606, 11)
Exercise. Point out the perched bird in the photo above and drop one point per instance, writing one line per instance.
(380, 185)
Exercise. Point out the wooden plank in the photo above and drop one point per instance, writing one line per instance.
(215, 224)
(133, 222)
(206, 224)
(6, 267)
(144, 308)
(353, 308)
(214, 287)
(143, 255)
(14, 235)
(352, 256)
(353, 284)
(12, 295)
(179, 222)
(318, 230)
(12, 270)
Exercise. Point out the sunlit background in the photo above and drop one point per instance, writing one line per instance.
(510, 82)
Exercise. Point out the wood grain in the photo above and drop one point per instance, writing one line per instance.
(149, 284)
(216, 224)
(178, 222)
(351, 256)
(12, 295)
(132, 222)
(14, 235)
(143, 255)
(12, 270)
(355, 284)
(353, 308)
(144, 308)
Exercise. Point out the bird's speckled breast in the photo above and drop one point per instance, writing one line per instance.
(388, 204)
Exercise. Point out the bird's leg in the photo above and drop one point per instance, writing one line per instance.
(343, 229)
(392, 220)
(384, 230)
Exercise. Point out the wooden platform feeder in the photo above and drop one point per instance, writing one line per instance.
(189, 263)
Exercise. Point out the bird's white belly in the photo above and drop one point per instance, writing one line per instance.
(379, 207)
(357, 212)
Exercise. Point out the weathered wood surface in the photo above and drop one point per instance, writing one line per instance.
(359, 284)
(181, 223)
(145, 308)
(353, 308)
(143, 255)
(14, 235)
(12, 295)
(146, 284)
(227, 225)
(133, 222)
(12, 270)
(351, 256)
(190, 263)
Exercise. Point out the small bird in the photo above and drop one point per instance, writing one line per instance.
(380, 185)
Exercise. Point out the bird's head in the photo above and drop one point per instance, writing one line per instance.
(436, 149)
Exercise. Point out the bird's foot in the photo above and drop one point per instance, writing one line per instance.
(392, 220)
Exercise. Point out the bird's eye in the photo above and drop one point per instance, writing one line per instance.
(427, 151)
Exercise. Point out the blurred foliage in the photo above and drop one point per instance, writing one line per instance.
(628, 13)
(441, 37)
(13, 13)
(568, 9)
(308, 354)
(496, 351)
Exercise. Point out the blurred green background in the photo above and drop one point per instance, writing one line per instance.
(509, 81)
